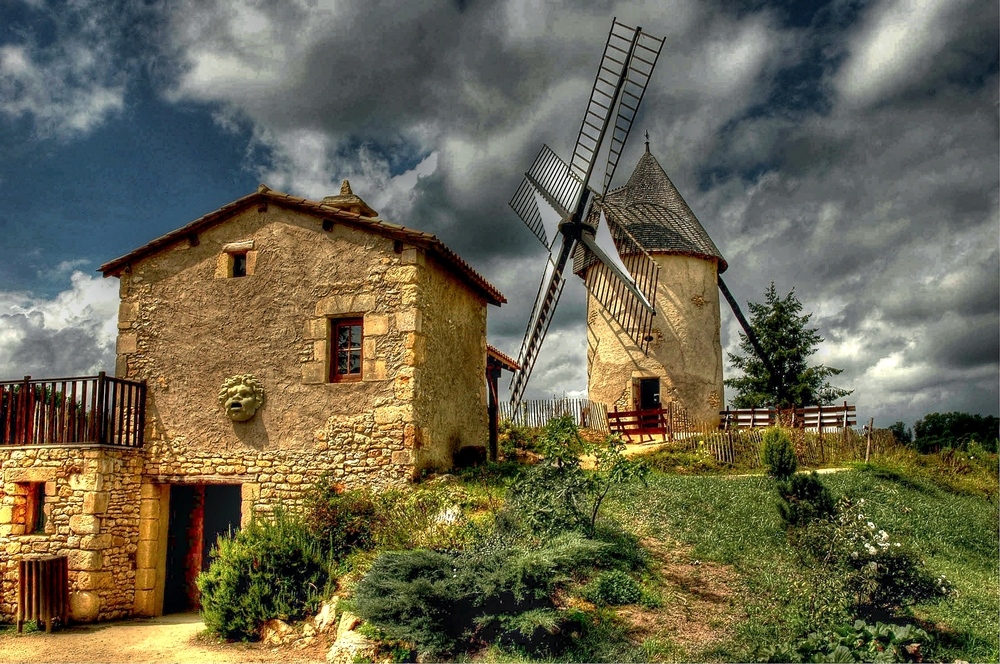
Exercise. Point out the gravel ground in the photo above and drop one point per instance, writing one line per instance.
(172, 638)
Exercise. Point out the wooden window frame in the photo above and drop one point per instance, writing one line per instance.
(335, 326)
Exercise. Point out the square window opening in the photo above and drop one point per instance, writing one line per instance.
(345, 349)
(33, 515)
(239, 265)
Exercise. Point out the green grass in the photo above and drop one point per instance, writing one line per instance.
(734, 521)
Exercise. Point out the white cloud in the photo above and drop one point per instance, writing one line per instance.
(67, 95)
(72, 333)
(900, 41)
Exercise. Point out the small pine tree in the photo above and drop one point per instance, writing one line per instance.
(788, 343)
(779, 454)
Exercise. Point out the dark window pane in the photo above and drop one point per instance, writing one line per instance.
(239, 265)
(342, 362)
(356, 362)
(343, 336)
(356, 335)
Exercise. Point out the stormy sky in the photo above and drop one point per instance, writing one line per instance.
(846, 149)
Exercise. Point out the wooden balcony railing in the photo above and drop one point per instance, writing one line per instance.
(93, 409)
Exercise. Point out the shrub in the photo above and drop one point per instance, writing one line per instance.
(858, 642)
(342, 520)
(269, 569)
(556, 494)
(870, 569)
(614, 588)
(430, 517)
(804, 498)
(513, 437)
(779, 454)
(412, 596)
(699, 461)
(441, 602)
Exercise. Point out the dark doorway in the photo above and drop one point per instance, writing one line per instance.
(199, 513)
(175, 591)
(223, 503)
(649, 393)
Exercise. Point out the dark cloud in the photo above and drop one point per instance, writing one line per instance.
(844, 149)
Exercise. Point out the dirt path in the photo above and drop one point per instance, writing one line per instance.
(172, 638)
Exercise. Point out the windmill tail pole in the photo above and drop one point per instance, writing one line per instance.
(751, 336)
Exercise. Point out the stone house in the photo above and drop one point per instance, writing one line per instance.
(271, 341)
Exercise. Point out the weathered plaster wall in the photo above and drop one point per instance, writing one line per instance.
(451, 398)
(92, 517)
(185, 329)
(686, 351)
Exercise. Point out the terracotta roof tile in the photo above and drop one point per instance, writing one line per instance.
(507, 361)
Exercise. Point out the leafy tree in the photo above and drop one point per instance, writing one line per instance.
(788, 342)
(955, 429)
(901, 433)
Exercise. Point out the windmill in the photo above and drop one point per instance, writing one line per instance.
(622, 276)
(612, 254)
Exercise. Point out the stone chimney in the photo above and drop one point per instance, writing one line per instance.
(348, 202)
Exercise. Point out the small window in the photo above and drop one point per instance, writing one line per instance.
(345, 356)
(34, 507)
(239, 265)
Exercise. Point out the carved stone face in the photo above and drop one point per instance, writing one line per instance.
(241, 396)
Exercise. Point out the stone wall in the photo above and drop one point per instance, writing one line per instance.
(451, 399)
(91, 506)
(686, 351)
(185, 329)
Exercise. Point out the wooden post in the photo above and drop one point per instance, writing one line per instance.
(492, 378)
(670, 421)
(819, 429)
(868, 447)
(102, 396)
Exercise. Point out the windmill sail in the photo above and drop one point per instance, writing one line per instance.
(628, 300)
(551, 178)
(640, 68)
(607, 84)
(624, 72)
(549, 291)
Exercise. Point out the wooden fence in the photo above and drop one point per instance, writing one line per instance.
(813, 418)
(538, 412)
(92, 409)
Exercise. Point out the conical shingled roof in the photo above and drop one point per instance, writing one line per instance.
(651, 209)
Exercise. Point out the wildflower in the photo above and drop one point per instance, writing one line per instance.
(871, 525)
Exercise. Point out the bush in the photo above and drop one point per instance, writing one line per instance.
(871, 571)
(613, 588)
(556, 494)
(341, 520)
(858, 642)
(512, 438)
(779, 454)
(804, 498)
(681, 462)
(269, 569)
(441, 602)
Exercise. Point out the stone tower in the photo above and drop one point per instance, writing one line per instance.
(684, 364)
